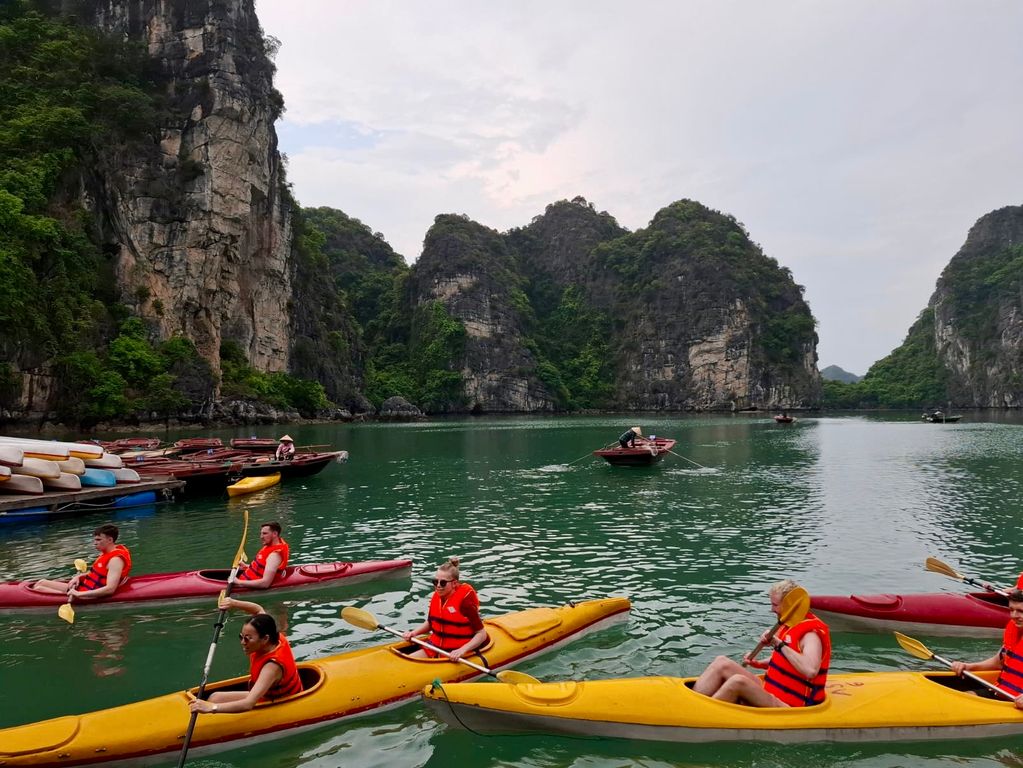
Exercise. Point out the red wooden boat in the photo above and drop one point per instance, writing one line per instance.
(303, 465)
(130, 444)
(192, 585)
(645, 453)
(975, 614)
(258, 444)
(784, 419)
(192, 444)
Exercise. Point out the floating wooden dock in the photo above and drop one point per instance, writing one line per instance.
(26, 506)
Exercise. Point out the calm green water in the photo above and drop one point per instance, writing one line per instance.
(841, 504)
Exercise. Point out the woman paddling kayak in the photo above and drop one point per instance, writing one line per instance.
(272, 671)
(454, 621)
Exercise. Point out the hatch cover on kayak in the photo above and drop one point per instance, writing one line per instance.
(878, 601)
(527, 624)
(549, 694)
(324, 569)
(39, 737)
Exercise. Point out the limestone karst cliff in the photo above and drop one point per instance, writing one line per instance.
(686, 314)
(977, 310)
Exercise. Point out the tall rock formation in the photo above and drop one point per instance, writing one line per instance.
(977, 311)
(698, 317)
(199, 221)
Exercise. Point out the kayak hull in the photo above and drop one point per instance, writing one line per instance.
(253, 484)
(974, 614)
(339, 688)
(878, 706)
(197, 585)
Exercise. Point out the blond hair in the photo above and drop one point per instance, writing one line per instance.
(450, 567)
(781, 588)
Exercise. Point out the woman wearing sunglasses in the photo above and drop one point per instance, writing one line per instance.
(454, 621)
(272, 670)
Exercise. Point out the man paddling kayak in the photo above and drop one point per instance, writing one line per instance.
(107, 573)
(796, 673)
(1009, 659)
(454, 621)
(273, 673)
(271, 559)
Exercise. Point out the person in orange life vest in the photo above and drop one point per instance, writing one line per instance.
(796, 672)
(286, 450)
(454, 621)
(1009, 659)
(271, 559)
(273, 673)
(107, 573)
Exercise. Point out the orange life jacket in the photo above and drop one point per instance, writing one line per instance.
(258, 566)
(784, 682)
(97, 575)
(449, 627)
(290, 683)
(1011, 677)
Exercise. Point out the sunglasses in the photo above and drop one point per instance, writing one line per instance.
(245, 639)
(441, 582)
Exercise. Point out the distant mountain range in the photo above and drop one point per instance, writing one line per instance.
(834, 373)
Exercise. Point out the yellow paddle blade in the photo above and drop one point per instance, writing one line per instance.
(914, 647)
(360, 618)
(240, 554)
(81, 566)
(794, 607)
(939, 566)
(67, 613)
(516, 678)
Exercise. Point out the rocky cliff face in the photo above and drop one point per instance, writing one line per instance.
(978, 314)
(701, 319)
(198, 221)
(470, 270)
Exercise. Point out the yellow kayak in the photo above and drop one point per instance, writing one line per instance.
(870, 706)
(336, 688)
(253, 484)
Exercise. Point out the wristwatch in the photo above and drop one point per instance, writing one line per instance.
(778, 646)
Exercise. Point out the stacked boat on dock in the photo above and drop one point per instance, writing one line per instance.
(35, 466)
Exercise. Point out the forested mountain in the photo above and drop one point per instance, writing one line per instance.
(966, 347)
(837, 373)
(153, 261)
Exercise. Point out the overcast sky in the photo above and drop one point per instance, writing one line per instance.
(857, 141)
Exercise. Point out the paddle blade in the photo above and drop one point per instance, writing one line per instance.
(914, 647)
(516, 678)
(359, 618)
(939, 566)
(81, 566)
(794, 607)
(67, 613)
(240, 554)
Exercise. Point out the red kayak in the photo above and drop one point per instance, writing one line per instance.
(975, 614)
(191, 585)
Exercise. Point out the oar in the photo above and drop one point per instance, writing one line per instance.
(687, 459)
(921, 651)
(366, 620)
(792, 610)
(239, 556)
(65, 611)
(939, 566)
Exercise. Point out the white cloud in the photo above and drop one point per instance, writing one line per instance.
(858, 142)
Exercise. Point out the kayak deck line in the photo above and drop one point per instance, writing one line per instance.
(206, 583)
(874, 706)
(345, 686)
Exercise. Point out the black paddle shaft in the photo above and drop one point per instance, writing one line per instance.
(217, 627)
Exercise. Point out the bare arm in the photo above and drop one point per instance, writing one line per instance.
(807, 660)
(113, 582)
(422, 629)
(273, 564)
(268, 676)
(228, 603)
(995, 662)
(475, 642)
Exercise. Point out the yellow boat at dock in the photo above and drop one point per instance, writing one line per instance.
(869, 706)
(337, 688)
(253, 484)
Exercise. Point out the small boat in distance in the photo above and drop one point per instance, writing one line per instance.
(646, 452)
(784, 418)
(934, 416)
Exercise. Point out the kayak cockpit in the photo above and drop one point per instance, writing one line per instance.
(963, 684)
(995, 599)
(311, 677)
